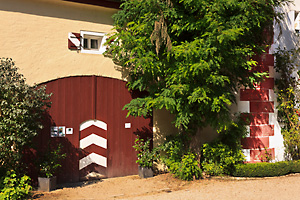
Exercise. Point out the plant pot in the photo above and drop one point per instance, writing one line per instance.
(145, 172)
(47, 184)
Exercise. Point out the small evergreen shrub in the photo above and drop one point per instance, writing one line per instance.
(213, 169)
(295, 166)
(179, 159)
(14, 187)
(218, 158)
(267, 169)
(188, 169)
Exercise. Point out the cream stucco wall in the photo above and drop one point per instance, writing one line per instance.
(284, 33)
(34, 33)
(163, 126)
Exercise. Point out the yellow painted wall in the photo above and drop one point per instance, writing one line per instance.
(34, 33)
(163, 126)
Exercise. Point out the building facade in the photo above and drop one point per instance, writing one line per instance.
(60, 44)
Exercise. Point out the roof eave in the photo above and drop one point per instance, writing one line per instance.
(105, 3)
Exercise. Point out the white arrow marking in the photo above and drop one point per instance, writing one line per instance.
(97, 123)
(93, 139)
(92, 158)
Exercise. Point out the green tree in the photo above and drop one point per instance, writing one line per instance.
(21, 109)
(190, 55)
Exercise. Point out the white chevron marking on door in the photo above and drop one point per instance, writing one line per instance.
(97, 123)
(92, 158)
(93, 139)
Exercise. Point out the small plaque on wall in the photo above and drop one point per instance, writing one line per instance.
(69, 131)
(127, 125)
(58, 131)
(54, 131)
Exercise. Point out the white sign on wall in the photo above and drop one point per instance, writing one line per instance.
(127, 125)
(69, 131)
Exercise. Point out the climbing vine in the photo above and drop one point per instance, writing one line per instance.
(288, 97)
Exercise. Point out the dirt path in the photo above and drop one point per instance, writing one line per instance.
(166, 187)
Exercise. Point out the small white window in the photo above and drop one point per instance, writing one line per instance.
(92, 42)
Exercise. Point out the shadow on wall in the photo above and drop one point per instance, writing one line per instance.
(162, 126)
(285, 35)
(60, 9)
(203, 135)
(125, 72)
(144, 133)
(41, 143)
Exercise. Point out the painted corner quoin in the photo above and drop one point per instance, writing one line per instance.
(258, 107)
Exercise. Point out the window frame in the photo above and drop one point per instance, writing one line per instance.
(89, 35)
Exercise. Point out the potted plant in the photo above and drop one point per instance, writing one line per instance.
(145, 156)
(48, 165)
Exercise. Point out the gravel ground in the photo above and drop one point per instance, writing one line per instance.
(164, 186)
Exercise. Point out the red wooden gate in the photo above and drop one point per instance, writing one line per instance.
(92, 107)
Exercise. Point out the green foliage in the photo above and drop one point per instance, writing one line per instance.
(179, 159)
(145, 155)
(21, 108)
(267, 169)
(174, 148)
(189, 168)
(13, 187)
(212, 168)
(49, 163)
(190, 55)
(288, 97)
(221, 156)
(267, 156)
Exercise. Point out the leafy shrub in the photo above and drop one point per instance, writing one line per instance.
(179, 159)
(188, 169)
(174, 148)
(145, 155)
(295, 166)
(218, 158)
(13, 187)
(221, 156)
(267, 169)
(50, 162)
(22, 107)
(213, 169)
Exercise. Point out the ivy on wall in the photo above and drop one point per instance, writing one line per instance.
(288, 97)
